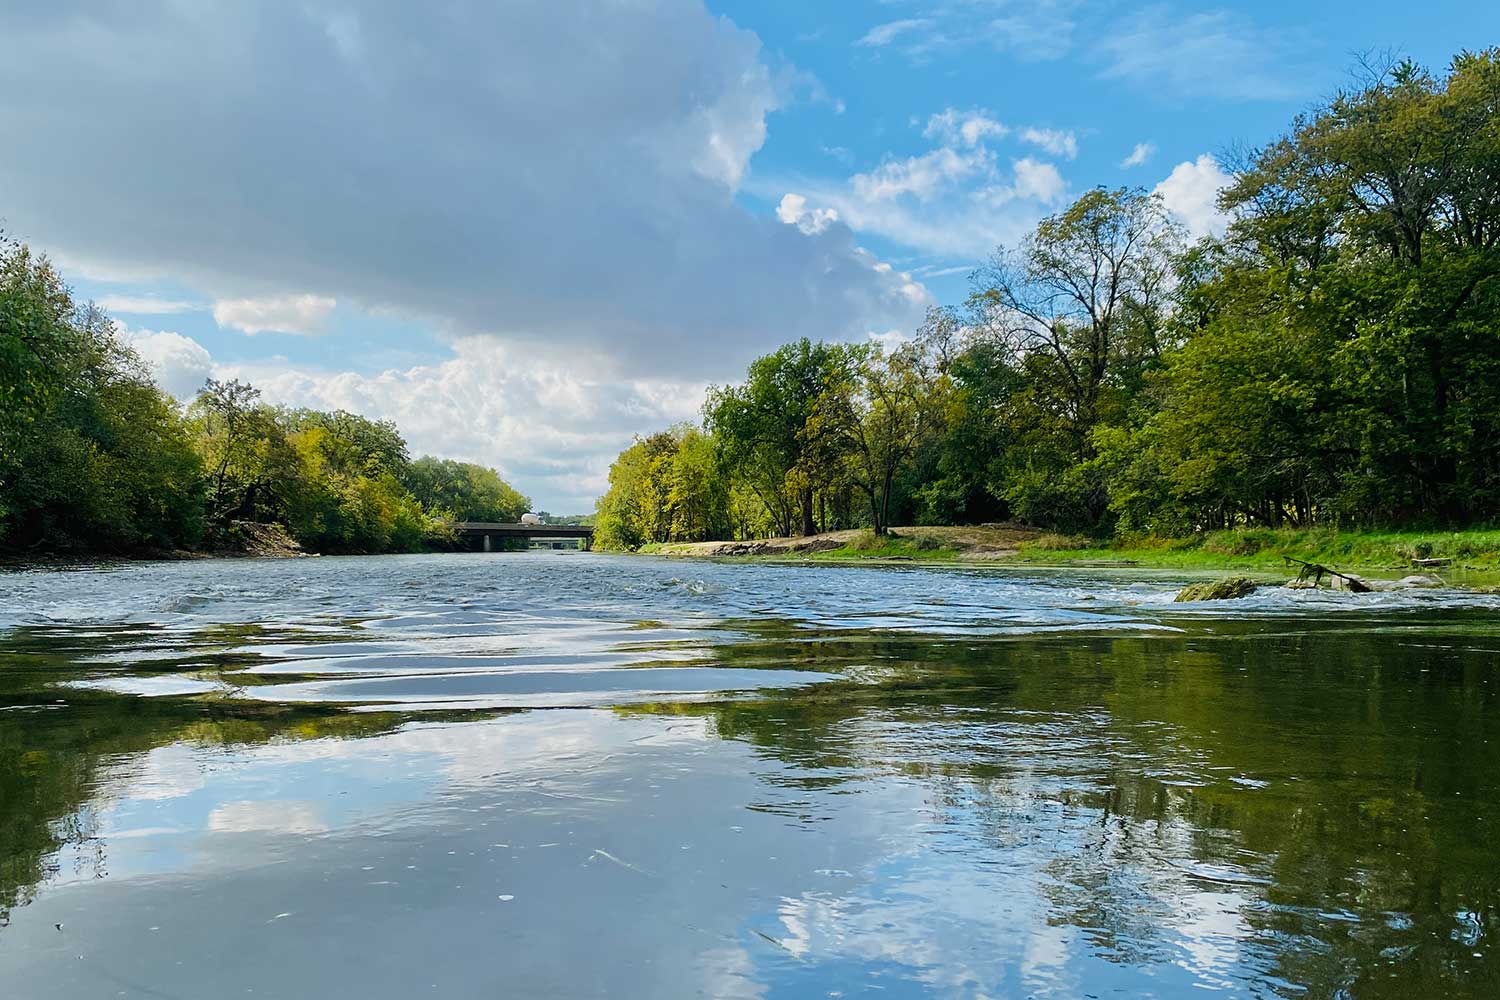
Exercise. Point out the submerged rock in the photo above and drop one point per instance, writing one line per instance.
(1227, 589)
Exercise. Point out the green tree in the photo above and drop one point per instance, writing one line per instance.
(92, 453)
(877, 416)
(665, 487)
(463, 491)
(762, 428)
(1375, 224)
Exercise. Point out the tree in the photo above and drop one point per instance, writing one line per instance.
(229, 425)
(762, 427)
(463, 491)
(878, 415)
(1377, 219)
(1085, 298)
(665, 487)
(92, 454)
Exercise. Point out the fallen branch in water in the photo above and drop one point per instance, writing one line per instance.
(1317, 571)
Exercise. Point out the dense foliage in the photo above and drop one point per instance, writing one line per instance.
(90, 449)
(94, 456)
(1332, 359)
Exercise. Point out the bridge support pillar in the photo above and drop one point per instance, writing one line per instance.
(489, 545)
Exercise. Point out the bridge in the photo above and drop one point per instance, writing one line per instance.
(490, 530)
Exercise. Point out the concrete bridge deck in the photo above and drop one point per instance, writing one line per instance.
(489, 530)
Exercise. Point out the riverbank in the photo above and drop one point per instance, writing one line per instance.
(245, 540)
(1473, 554)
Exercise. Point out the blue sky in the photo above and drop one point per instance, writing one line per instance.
(526, 232)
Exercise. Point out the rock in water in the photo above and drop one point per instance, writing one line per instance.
(1227, 589)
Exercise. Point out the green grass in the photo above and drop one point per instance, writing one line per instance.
(868, 545)
(1264, 549)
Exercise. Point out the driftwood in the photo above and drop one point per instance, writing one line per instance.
(1316, 571)
(1430, 563)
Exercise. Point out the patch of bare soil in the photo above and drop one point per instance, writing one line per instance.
(976, 542)
(263, 540)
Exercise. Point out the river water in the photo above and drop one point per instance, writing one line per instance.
(576, 775)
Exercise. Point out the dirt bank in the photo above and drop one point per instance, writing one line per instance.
(981, 542)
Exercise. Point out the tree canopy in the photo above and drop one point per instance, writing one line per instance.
(94, 456)
(1333, 358)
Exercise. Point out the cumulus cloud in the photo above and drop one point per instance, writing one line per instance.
(302, 314)
(793, 211)
(1038, 181)
(1191, 192)
(1058, 142)
(1142, 152)
(958, 199)
(551, 430)
(179, 364)
(473, 170)
(922, 176)
(968, 128)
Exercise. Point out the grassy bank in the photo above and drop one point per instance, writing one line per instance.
(1259, 551)
(1266, 549)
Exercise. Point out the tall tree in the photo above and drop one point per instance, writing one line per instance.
(762, 427)
(1086, 295)
(92, 454)
(1377, 218)
(878, 415)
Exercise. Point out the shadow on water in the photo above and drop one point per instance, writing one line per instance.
(1279, 806)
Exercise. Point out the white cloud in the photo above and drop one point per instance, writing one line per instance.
(884, 34)
(144, 305)
(1055, 141)
(1038, 181)
(968, 128)
(302, 314)
(1142, 152)
(178, 364)
(793, 211)
(1191, 193)
(922, 176)
(466, 172)
(552, 432)
(942, 270)
(1031, 30)
(957, 199)
(915, 291)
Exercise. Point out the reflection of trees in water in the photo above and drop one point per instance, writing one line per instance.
(61, 748)
(1285, 775)
(1325, 799)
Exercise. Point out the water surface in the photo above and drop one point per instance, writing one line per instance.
(578, 775)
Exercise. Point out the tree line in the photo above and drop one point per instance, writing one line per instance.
(93, 456)
(1332, 359)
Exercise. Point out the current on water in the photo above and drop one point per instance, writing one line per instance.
(566, 775)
